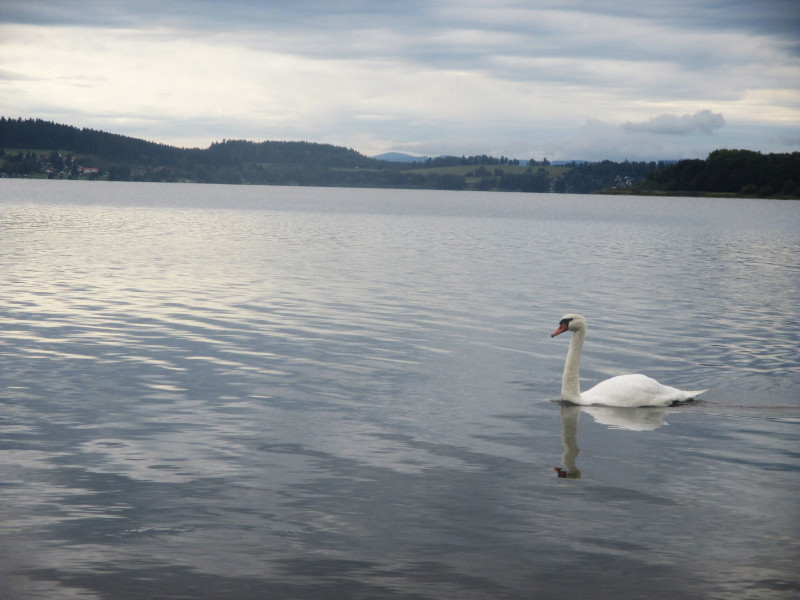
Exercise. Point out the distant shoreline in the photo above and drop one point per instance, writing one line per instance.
(610, 192)
(35, 148)
(689, 194)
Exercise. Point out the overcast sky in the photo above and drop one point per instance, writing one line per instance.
(562, 79)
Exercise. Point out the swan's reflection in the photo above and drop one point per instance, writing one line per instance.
(634, 419)
(569, 436)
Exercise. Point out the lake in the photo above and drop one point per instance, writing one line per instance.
(216, 391)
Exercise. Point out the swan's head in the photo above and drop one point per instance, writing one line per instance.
(570, 322)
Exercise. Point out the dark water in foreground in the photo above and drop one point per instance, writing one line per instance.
(255, 392)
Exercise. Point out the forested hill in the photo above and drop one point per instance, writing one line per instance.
(34, 147)
(44, 135)
(736, 172)
(38, 148)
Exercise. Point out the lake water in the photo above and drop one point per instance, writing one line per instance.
(267, 392)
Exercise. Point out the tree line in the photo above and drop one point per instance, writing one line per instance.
(738, 172)
(34, 147)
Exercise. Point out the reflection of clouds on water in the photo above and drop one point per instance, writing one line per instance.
(231, 392)
(633, 419)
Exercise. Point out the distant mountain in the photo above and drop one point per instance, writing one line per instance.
(399, 157)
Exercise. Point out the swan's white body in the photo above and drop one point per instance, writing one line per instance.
(624, 390)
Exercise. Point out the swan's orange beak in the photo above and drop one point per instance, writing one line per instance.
(561, 329)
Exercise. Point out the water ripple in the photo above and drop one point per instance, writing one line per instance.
(278, 390)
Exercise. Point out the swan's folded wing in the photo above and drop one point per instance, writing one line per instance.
(632, 391)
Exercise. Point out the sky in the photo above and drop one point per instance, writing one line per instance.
(560, 79)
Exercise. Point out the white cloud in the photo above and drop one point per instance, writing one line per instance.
(703, 121)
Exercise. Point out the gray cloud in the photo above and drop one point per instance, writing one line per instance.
(12, 76)
(508, 77)
(703, 121)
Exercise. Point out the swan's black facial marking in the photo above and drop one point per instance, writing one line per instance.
(563, 325)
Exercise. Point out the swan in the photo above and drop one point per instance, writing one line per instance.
(624, 390)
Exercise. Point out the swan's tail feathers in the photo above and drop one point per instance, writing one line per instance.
(688, 397)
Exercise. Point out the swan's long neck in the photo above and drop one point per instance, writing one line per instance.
(570, 381)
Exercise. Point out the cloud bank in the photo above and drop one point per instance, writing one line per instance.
(703, 121)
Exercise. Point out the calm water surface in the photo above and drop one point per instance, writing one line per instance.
(265, 392)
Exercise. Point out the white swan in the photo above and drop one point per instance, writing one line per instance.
(624, 390)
